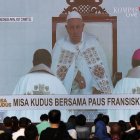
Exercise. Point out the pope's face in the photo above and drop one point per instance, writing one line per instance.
(74, 28)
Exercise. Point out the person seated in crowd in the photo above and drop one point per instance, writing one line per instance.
(7, 122)
(132, 124)
(106, 121)
(43, 124)
(71, 123)
(5, 136)
(115, 132)
(83, 131)
(103, 117)
(15, 125)
(21, 138)
(31, 132)
(39, 81)
(72, 132)
(100, 129)
(56, 131)
(23, 123)
(135, 135)
(123, 126)
(70, 126)
(128, 85)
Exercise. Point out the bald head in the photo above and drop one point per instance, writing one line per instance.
(42, 56)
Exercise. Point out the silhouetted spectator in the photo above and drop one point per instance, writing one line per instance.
(71, 123)
(21, 138)
(106, 121)
(83, 132)
(115, 132)
(31, 132)
(135, 135)
(23, 123)
(100, 129)
(5, 136)
(7, 122)
(123, 127)
(15, 125)
(54, 132)
(132, 124)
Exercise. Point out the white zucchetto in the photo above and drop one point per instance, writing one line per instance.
(73, 14)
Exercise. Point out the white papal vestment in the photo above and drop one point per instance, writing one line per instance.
(38, 82)
(86, 57)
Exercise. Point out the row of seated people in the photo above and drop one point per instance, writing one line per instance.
(52, 128)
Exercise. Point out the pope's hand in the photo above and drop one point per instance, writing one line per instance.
(80, 80)
(96, 91)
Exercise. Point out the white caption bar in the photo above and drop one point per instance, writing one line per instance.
(19, 102)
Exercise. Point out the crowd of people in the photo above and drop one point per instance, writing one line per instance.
(51, 127)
